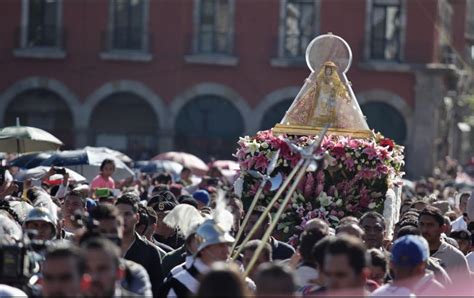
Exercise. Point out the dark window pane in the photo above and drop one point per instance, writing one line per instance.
(385, 38)
(275, 114)
(209, 126)
(386, 119)
(128, 24)
(214, 27)
(42, 23)
(299, 27)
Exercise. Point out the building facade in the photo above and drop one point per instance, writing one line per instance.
(146, 76)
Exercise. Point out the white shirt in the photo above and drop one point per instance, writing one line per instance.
(392, 290)
(459, 224)
(470, 261)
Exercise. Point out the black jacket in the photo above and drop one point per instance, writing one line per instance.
(147, 255)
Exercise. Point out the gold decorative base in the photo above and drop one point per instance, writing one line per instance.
(309, 130)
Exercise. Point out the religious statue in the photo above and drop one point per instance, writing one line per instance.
(326, 98)
(319, 105)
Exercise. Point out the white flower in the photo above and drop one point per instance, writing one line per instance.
(372, 205)
(339, 203)
(264, 145)
(286, 229)
(324, 199)
(253, 147)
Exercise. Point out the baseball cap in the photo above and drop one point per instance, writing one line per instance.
(202, 196)
(409, 251)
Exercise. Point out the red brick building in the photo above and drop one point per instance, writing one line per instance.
(145, 76)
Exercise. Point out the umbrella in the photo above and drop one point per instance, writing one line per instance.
(22, 139)
(30, 160)
(87, 163)
(39, 172)
(226, 165)
(197, 166)
(122, 156)
(161, 166)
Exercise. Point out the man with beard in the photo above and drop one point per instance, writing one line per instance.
(103, 269)
(63, 271)
(431, 224)
(136, 248)
(110, 225)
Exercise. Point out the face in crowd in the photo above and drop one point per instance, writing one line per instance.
(374, 229)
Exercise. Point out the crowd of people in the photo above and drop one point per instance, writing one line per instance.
(166, 237)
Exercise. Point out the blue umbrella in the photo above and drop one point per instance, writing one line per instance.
(29, 161)
(87, 162)
(162, 166)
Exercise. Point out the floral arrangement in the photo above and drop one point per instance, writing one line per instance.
(355, 178)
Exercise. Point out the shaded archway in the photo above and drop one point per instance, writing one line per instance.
(44, 109)
(275, 114)
(384, 118)
(126, 122)
(208, 126)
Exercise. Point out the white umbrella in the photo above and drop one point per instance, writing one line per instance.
(39, 172)
(22, 139)
(87, 163)
(122, 156)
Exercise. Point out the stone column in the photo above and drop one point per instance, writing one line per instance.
(429, 94)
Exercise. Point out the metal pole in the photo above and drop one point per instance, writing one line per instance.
(249, 211)
(269, 207)
(269, 231)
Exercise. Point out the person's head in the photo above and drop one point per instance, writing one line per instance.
(406, 205)
(373, 225)
(74, 202)
(431, 224)
(253, 220)
(351, 229)
(202, 198)
(128, 207)
(107, 167)
(274, 280)
(318, 252)
(248, 252)
(419, 205)
(110, 222)
(162, 208)
(237, 210)
(102, 266)
(463, 199)
(349, 220)
(345, 263)
(409, 257)
(185, 173)
(463, 238)
(62, 271)
(163, 179)
(307, 241)
(317, 223)
(408, 230)
(213, 242)
(378, 265)
(147, 224)
(40, 220)
(447, 223)
(223, 280)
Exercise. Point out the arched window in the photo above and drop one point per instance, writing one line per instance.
(43, 109)
(209, 126)
(386, 119)
(275, 114)
(126, 122)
